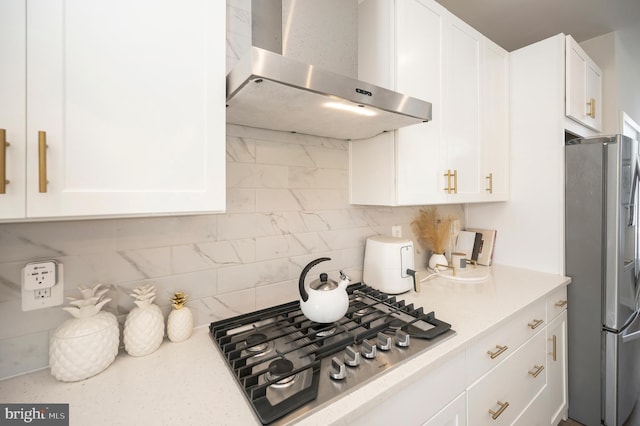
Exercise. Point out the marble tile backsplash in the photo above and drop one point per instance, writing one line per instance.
(287, 204)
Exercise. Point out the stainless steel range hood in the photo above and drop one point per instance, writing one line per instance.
(271, 91)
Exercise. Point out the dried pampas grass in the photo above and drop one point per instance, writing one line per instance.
(431, 230)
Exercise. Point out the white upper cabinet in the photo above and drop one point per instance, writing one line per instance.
(583, 87)
(124, 109)
(418, 48)
(12, 106)
(495, 123)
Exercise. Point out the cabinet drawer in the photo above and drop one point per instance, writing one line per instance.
(556, 303)
(513, 385)
(495, 347)
(536, 413)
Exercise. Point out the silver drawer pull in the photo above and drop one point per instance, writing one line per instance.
(496, 414)
(537, 370)
(535, 324)
(497, 353)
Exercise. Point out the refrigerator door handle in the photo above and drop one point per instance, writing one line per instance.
(631, 337)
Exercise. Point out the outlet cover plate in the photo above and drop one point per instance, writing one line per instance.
(42, 285)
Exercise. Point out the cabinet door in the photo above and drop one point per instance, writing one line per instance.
(420, 31)
(495, 123)
(131, 97)
(583, 86)
(594, 95)
(557, 364)
(463, 77)
(12, 105)
(454, 414)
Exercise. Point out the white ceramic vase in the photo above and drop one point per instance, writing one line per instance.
(437, 259)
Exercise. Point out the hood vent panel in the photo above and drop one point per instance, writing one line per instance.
(270, 91)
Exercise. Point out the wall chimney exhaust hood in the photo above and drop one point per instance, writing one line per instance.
(268, 90)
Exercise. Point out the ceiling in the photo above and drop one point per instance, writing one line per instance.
(517, 23)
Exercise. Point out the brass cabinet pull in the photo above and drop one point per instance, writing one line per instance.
(490, 179)
(592, 108)
(448, 176)
(496, 414)
(42, 161)
(561, 303)
(554, 354)
(535, 324)
(455, 181)
(3, 161)
(538, 370)
(497, 353)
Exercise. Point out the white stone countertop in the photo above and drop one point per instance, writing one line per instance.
(188, 383)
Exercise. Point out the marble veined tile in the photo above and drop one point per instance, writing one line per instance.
(212, 255)
(26, 241)
(141, 233)
(272, 200)
(276, 294)
(240, 149)
(223, 306)
(301, 177)
(240, 277)
(240, 225)
(288, 245)
(243, 175)
(241, 200)
(321, 199)
(283, 154)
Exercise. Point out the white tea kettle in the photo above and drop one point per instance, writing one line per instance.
(323, 300)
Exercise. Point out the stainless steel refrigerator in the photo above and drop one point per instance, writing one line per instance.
(601, 255)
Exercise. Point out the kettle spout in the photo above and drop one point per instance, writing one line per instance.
(344, 280)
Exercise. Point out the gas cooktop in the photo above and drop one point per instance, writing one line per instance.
(287, 365)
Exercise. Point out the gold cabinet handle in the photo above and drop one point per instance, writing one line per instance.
(490, 179)
(536, 371)
(535, 324)
(561, 303)
(497, 353)
(496, 414)
(448, 176)
(42, 161)
(554, 354)
(3, 161)
(455, 181)
(592, 108)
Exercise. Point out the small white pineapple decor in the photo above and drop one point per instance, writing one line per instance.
(86, 344)
(180, 321)
(144, 326)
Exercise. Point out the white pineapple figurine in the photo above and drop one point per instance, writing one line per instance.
(144, 326)
(86, 344)
(180, 321)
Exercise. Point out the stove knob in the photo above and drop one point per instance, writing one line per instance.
(402, 338)
(369, 351)
(383, 342)
(351, 357)
(339, 370)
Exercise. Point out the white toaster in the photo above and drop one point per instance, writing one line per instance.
(386, 260)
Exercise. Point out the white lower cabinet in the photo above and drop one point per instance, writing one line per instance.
(499, 397)
(454, 414)
(422, 400)
(557, 374)
(516, 374)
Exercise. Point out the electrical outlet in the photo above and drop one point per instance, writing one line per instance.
(396, 231)
(42, 285)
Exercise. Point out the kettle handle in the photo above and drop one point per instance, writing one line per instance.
(303, 293)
